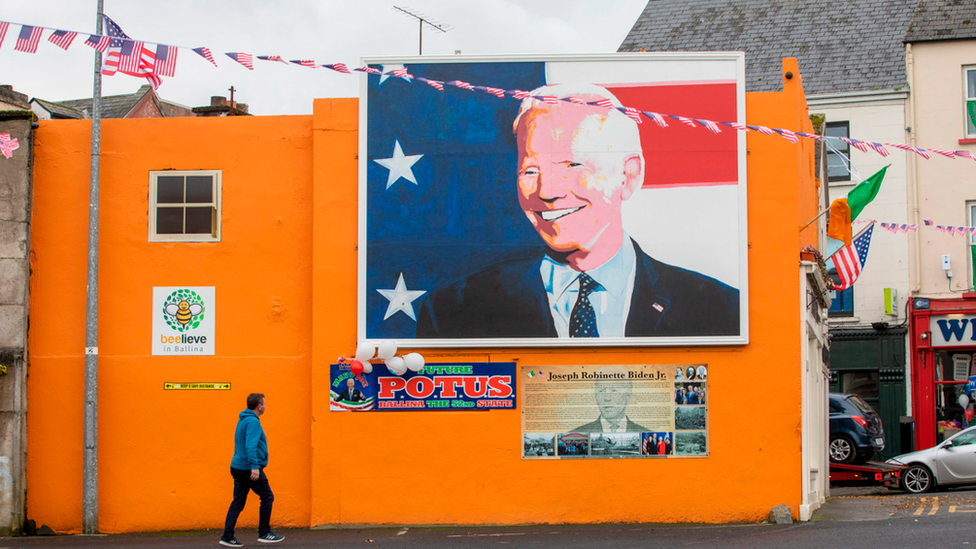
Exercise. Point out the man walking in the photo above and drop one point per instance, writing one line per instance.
(247, 468)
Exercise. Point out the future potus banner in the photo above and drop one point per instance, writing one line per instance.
(554, 218)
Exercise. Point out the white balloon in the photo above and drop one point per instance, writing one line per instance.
(414, 361)
(367, 367)
(963, 400)
(386, 350)
(365, 351)
(396, 365)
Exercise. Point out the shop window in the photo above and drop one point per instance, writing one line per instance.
(841, 301)
(969, 109)
(952, 371)
(184, 206)
(837, 168)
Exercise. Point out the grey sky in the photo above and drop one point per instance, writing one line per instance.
(326, 31)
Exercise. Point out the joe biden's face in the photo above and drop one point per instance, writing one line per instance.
(571, 182)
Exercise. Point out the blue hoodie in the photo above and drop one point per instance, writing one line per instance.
(250, 446)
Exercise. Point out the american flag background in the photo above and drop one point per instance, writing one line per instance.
(3, 30)
(850, 260)
(98, 42)
(128, 56)
(165, 62)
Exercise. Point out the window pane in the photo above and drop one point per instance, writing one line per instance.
(198, 220)
(169, 189)
(971, 84)
(199, 189)
(169, 220)
(970, 128)
(862, 384)
(836, 169)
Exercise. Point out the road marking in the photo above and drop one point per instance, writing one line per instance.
(486, 535)
(956, 509)
(935, 505)
(921, 507)
(401, 532)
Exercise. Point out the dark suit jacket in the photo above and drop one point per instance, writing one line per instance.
(509, 300)
(597, 427)
(356, 396)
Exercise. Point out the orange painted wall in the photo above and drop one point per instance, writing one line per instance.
(164, 455)
(286, 305)
(465, 467)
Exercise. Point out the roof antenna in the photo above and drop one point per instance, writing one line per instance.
(421, 19)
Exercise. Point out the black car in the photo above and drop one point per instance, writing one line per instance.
(856, 432)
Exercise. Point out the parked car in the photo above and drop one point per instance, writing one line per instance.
(856, 432)
(951, 462)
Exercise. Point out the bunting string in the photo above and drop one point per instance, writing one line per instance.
(951, 230)
(135, 58)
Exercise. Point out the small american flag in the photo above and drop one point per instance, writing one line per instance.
(808, 135)
(339, 67)
(657, 118)
(940, 228)
(576, 100)
(632, 114)
(927, 222)
(787, 135)
(439, 86)
(913, 228)
(62, 39)
(922, 152)
(303, 62)
(547, 99)
(369, 70)
(951, 230)
(683, 120)
(850, 260)
(712, 126)
(761, 129)
(28, 39)
(100, 43)
(879, 148)
(463, 85)
(519, 94)
(603, 102)
(497, 92)
(901, 146)
(948, 154)
(400, 73)
(166, 60)
(658, 307)
(272, 58)
(3, 30)
(206, 54)
(245, 59)
(859, 145)
(736, 125)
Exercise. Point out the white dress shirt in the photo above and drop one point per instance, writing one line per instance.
(610, 300)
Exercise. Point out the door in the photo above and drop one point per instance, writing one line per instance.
(957, 463)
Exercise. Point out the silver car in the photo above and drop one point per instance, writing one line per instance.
(951, 462)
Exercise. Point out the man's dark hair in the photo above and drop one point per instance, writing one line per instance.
(254, 400)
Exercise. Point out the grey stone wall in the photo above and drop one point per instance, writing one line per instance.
(15, 213)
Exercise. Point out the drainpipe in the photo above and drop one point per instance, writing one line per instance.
(911, 170)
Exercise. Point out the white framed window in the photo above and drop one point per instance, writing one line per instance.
(184, 206)
(837, 162)
(969, 108)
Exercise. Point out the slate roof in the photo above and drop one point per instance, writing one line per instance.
(113, 106)
(841, 46)
(942, 20)
(58, 110)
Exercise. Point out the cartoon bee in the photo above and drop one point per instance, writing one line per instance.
(184, 311)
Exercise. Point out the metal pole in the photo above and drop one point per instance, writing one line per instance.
(89, 504)
(421, 21)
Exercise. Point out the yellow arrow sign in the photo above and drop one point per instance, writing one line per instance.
(195, 386)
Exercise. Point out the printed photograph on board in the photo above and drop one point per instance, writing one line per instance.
(538, 445)
(689, 393)
(574, 445)
(520, 201)
(657, 444)
(689, 418)
(690, 444)
(615, 444)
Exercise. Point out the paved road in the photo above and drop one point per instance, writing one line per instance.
(884, 521)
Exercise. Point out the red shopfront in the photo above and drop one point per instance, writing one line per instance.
(943, 350)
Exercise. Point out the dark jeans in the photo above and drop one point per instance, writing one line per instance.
(242, 485)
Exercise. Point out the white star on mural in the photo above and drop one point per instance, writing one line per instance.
(401, 299)
(391, 68)
(399, 165)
